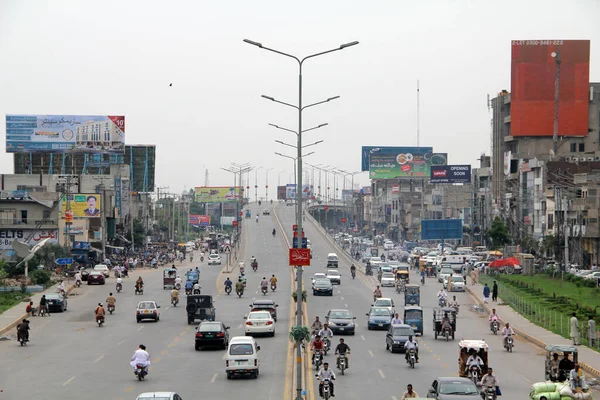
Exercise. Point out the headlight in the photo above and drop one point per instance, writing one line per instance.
(396, 342)
(332, 324)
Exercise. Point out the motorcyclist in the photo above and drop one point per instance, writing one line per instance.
(243, 279)
(23, 330)
(446, 324)
(377, 293)
(326, 373)
(99, 312)
(175, 295)
(61, 289)
(379, 275)
(178, 281)
(140, 356)
(242, 268)
(43, 309)
(506, 332)
(78, 279)
(353, 270)
(316, 326)
(493, 317)
(196, 288)
(110, 301)
(239, 286)
(188, 286)
(442, 295)
(474, 361)
(317, 346)
(119, 285)
(228, 283)
(139, 284)
(264, 284)
(411, 344)
(488, 380)
(273, 281)
(454, 303)
(326, 332)
(342, 349)
(256, 217)
(274, 232)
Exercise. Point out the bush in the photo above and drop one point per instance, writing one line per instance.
(40, 277)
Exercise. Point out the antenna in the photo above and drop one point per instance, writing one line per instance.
(418, 116)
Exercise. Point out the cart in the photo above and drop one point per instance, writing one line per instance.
(169, 275)
(567, 357)
(438, 316)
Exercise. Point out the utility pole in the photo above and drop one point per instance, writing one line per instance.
(567, 232)
(556, 56)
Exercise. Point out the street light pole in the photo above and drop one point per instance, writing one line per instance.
(256, 184)
(267, 184)
(300, 108)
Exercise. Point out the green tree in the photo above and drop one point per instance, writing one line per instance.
(548, 245)
(498, 233)
(47, 254)
(529, 245)
(139, 233)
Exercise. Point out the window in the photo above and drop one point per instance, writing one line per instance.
(24, 216)
(581, 147)
(573, 147)
(46, 214)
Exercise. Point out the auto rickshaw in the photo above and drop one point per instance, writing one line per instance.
(412, 295)
(402, 273)
(169, 275)
(193, 276)
(464, 347)
(438, 315)
(413, 316)
(248, 214)
(565, 364)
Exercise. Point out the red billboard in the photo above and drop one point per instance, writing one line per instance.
(299, 257)
(533, 77)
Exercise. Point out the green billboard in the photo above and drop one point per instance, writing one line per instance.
(403, 162)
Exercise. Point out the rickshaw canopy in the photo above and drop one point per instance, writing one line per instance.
(473, 344)
(560, 348)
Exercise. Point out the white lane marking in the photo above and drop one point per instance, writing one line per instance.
(381, 373)
(121, 342)
(167, 307)
(371, 353)
(346, 305)
(98, 359)
(240, 327)
(362, 337)
(394, 398)
(69, 381)
(140, 328)
(341, 298)
(214, 378)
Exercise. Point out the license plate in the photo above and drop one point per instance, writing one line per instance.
(241, 363)
(341, 329)
(145, 311)
(380, 324)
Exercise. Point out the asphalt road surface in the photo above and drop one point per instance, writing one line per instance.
(70, 357)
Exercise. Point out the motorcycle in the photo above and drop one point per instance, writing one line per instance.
(175, 301)
(23, 338)
(111, 308)
(188, 292)
(100, 320)
(265, 290)
(412, 358)
(201, 258)
(178, 286)
(442, 301)
(228, 290)
(140, 372)
(254, 266)
(139, 289)
(326, 345)
(77, 283)
(239, 293)
(273, 287)
(353, 274)
(490, 393)
(326, 387)
(376, 296)
(342, 362)
(196, 291)
(43, 311)
(447, 333)
(474, 374)
(495, 327)
(423, 280)
(119, 287)
(317, 359)
(509, 343)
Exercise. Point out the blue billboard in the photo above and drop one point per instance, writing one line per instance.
(450, 174)
(441, 229)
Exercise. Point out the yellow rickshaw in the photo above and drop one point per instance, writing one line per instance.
(464, 348)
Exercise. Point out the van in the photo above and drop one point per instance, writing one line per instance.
(242, 357)
(332, 260)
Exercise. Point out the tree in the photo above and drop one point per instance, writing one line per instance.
(548, 245)
(529, 245)
(139, 233)
(47, 254)
(498, 233)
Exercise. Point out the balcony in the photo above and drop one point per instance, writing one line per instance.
(26, 223)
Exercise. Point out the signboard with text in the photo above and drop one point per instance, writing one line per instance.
(7, 236)
(216, 194)
(299, 257)
(402, 162)
(451, 174)
(84, 205)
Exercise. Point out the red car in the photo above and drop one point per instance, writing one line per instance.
(96, 277)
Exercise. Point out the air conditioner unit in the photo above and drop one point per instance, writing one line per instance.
(575, 159)
(568, 159)
(590, 158)
(596, 158)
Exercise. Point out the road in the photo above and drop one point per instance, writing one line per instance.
(69, 356)
(385, 374)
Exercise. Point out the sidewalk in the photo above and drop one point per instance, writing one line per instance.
(533, 333)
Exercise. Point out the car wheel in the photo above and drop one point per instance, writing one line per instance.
(157, 318)
(387, 345)
(273, 334)
(138, 320)
(314, 293)
(369, 327)
(89, 283)
(228, 375)
(197, 347)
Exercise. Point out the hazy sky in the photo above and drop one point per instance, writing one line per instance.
(119, 57)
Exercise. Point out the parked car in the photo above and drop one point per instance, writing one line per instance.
(265, 305)
(212, 333)
(96, 277)
(322, 287)
(147, 310)
(259, 322)
(56, 302)
(242, 357)
(341, 321)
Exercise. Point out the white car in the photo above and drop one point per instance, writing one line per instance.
(318, 276)
(386, 268)
(259, 322)
(159, 396)
(334, 276)
(389, 245)
(593, 275)
(242, 357)
(445, 273)
(104, 269)
(387, 279)
(147, 310)
(214, 259)
(385, 302)
(458, 283)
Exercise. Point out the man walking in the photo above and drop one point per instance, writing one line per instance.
(486, 293)
(574, 325)
(591, 331)
(495, 292)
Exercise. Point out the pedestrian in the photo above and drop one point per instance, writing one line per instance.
(486, 293)
(495, 292)
(574, 324)
(592, 331)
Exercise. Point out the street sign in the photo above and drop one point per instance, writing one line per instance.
(235, 223)
(227, 249)
(344, 220)
(295, 243)
(64, 261)
(299, 257)
(295, 228)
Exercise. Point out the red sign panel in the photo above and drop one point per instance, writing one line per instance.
(344, 220)
(234, 223)
(326, 208)
(295, 228)
(533, 82)
(299, 257)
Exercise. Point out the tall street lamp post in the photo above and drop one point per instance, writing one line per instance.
(256, 184)
(267, 184)
(294, 159)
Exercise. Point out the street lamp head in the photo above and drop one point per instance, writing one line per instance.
(306, 155)
(322, 125)
(259, 44)
(267, 97)
(333, 98)
(343, 46)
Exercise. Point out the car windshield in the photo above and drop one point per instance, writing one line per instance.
(380, 311)
(52, 296)
(241, 349)
(319, 276)
(146, 305)
(340, 315)
(333, 273)
(153, 398)
(387, 275)
(403, 332)
(383, 303)
(100, 267)
(259, 315)
(209, 328)
(322, 282)
(457, 279)
(458, 388)
(447, 271)
(412, 314)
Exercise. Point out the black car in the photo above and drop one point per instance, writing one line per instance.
(379, 318)
(200, 307)
(212, 333)
(266, 212)
(450, 388)
(322, 287)
(340, 321)
(56, 302)
(265, 305)
(397, 335)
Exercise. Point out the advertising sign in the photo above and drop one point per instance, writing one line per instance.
(451, 174)
(403, 162)
(507, 158)
(281, 193)
(299, 257)
(60, 133)
(227, 220)
(347, 195)
(306, 191)
(533, 82)
(217, 194)
(118, 200)
(7, 236)
(84, 205)
(290, 191)
(75, 229)
(199, 220)
(441, 229)
(82, 245)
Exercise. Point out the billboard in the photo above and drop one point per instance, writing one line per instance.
(533, 80)
(61, 133)
(199, 220)
(441, 229)
(290, 191)
(7, 236)
(223, 194)
(402, 162)
(281, 193)
(451, 174)
(84, 205)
